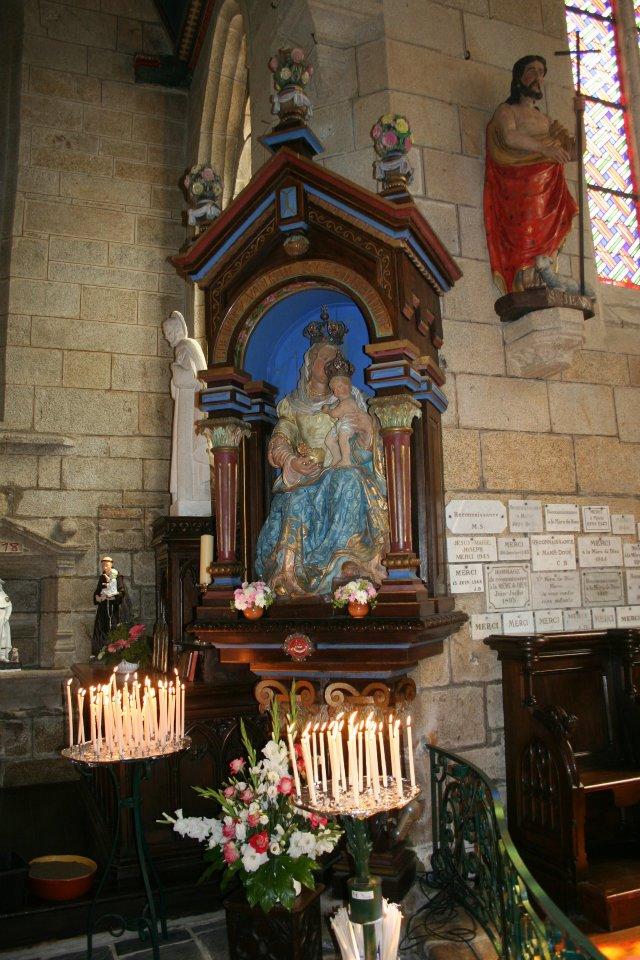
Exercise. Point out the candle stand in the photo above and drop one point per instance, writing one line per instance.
(153, 916)
(365, 890)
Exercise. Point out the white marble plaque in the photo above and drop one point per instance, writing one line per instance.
(562, 517)
(508, 586)
(596, 519)
(471, 549)
(525, 516)
(631, 554)
(557, 588)
(623, 523)
(476, 516)
(466, 578)
(603, 617)
(520, 622)
(484, 624)
(628, 616)
(602, 588)
(633, 586)
(600, 551)
(514, 548)
(549, 621)
(577, 619)
(553, 551)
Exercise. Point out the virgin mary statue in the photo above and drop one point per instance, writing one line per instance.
(325, 521)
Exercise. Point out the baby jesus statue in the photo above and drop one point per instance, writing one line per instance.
(109, 585)
(349, 414)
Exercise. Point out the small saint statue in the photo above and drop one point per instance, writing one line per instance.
(190, 482)
(5, 628)
(528, 208)
(112, 601)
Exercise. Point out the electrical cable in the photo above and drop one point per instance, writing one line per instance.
(438, 918)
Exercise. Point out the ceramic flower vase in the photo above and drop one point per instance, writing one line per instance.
(278, 935)
(253, 613)
(357, 609)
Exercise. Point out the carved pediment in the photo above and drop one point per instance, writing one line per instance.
(24, 553)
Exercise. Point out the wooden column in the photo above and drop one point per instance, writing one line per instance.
(396, 414)
(224, 436)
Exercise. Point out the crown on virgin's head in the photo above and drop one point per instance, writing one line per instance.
(325, 330)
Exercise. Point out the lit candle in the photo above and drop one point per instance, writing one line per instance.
(360, 759)
(306, 753)
(314, 751)
(412, 772)
(206, 557)
(340, 744)
(69, 712)
(80, 696)
(396, 754)
(323, 761)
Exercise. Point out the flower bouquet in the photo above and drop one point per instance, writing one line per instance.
(260, 837)
(291, 74)
(253, 599)
(359, 596)
(204, 193)
(128, 645)
(391, 134)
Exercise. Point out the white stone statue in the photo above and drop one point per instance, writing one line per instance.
(190, 478)
(5, 629)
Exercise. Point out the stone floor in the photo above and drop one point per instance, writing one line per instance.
(204, 938)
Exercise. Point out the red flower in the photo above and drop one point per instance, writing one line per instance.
(285, 786)
(298, 748)
(229, 830)
(111, 647)
(230, 853)
(229, 792)
(236, 766)
(247, 795)
(314, 820)
(136, 631)
(260, 842)
(253, 819)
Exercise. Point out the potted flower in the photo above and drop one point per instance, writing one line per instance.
(261, 839)
(358, 596)
(391, 135)
(204, 193)
(253, 599)
(291, 74)
(127, 647)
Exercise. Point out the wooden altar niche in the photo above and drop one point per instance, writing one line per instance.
(298, 237)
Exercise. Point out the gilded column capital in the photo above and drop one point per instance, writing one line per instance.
(395, 412)
(223, 433)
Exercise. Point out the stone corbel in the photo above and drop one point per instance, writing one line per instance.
(396, 414)
(544, 342)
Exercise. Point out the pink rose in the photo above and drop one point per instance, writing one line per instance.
(389, 139)
(273, 64)
(111, 647)
(229, 830)
(314, 820)
(229, 792)
(260, 842)
(136, 631)
(247, 795)
(236, 766)
(253, 819)
(297, 55)
(285, 786)
(230, 853)
(376, 131)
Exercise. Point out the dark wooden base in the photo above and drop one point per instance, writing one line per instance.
(611, 896)
(277, 935)
(515, 305)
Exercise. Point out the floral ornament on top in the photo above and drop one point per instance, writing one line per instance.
(204, 193)
(392, 140)
(259, 835)
(126, 643)
(255, 594)
(291, 74)
(356, 591)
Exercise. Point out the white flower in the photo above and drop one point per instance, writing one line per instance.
(264, 819)
(278, 830)
(251, 860)
(198, 828)
(241, 831)
(302, 844)
(297, 887)
(215, 837)
(272, 792)
(275, 848)
(240, 786)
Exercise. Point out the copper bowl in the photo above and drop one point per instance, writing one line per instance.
(61, 876)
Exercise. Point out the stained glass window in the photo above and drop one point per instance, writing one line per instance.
(611, 192)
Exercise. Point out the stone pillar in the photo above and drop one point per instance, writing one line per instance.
(223, 438)
(396, 414)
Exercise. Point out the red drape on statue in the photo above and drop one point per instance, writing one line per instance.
(528, 211)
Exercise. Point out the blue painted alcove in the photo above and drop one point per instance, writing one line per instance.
(276, 347)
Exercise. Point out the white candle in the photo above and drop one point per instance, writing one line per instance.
(412, 772)
(292, 757)
(340, 745)
(383, 758)
(69, 712)
(360, 760)
(314, 751)
(396, 754)
(206, 557)
(182, 709)
(306, 753)
(323, 760)
(80, 696)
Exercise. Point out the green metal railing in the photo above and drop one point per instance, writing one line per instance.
(475, 859)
